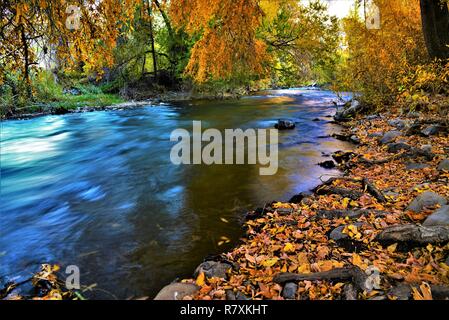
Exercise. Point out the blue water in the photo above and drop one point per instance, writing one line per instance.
(98, 190)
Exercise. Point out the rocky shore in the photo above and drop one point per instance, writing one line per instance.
(379, 232)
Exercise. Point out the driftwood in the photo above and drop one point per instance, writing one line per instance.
(347, 193)
(414, 234)
(352, 274)
(368, 186)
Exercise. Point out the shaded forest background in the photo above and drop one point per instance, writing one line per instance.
(111, 50)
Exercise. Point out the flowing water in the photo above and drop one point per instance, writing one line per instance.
(98, 190)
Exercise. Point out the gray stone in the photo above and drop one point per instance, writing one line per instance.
(426, 199)
(416, 166)
(289, 291)
(432, 130)
(444, 165)
(396, 147)
(177, 291)
(401, 292)
(397, 123)
(338, 235)
(230, 295)
(439, 218)
(241, 297)
(354, 139)
(348, 111)
(427, 148)
(390, 137)
(212, 269)
(373, 117)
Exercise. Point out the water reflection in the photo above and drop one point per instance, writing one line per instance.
(98, 190)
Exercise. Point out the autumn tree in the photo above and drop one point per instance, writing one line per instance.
(82, 33)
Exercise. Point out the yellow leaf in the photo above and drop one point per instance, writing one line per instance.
(201, 280)
(357, 261)
(270, 262)
(345, 203)
(392, 248)
(289, 247)
(304, 268)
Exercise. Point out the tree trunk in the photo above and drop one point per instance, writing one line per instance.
(153, 51)
(26, 66)
(435, 21)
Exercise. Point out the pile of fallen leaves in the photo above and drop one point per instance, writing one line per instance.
(294, 239)
(44, 285)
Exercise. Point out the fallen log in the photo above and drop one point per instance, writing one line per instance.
(346, 193)
(414, 234)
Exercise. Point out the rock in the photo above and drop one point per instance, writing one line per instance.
(348, 111)
(241, 297)
(432, 130)
(350, 292)
(289, 291)
(299, 197)
(373, 117)
(444, 165)
(354, 139)
(177, 291)
(213, 269)
(426, 199)
(427, 148)
(439, 218)
(397, 123)
(401, 292)
(316, 120)
(285, 125)
(390, 137)
(230, 295)
(396, 147)
(338, 235)
(416, 166)
(447, 261)
(327, 164)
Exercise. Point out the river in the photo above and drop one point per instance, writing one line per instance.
(98, 190)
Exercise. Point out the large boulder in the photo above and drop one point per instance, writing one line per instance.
(177, 291)
(348, 111)
(444, 165)
(285, 125)
(439, 218)
(426, 199)
(390, 137)
(213, 269)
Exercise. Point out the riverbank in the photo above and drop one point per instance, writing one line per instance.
(379, 232)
